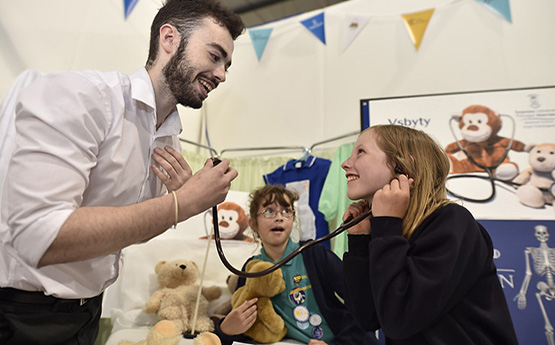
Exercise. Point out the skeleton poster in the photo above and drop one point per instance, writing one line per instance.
(524, 255)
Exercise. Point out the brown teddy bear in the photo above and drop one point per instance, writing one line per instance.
(269, 326)
(479, 127)
(164, 332)
(177, 298)
(537, 183)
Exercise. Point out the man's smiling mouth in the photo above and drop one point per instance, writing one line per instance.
(206, 85)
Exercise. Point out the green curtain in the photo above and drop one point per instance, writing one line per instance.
(250, 169)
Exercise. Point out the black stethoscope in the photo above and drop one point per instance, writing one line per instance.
(344, 226)
(350, 222)
(488, 169)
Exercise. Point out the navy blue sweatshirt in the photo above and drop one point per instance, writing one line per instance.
(439, 287)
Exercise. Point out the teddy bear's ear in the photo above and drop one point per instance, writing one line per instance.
(159, 265)
(250, 264)
(529, 147)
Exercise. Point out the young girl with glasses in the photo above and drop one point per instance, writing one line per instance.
(421, 268)
(309, 306)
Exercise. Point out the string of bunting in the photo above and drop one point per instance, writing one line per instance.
(415, 22)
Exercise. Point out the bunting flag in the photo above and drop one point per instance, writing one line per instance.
(259, 39)
(352, 26)
(416, 24)
(501, 7)
(129, 5)
(316, 26)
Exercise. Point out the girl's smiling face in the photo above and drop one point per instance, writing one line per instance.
(367, 170)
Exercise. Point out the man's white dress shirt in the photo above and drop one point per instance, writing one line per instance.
(83, 138)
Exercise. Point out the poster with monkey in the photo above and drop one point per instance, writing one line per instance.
(501, 145)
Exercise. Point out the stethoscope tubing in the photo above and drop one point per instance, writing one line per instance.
(344, 226)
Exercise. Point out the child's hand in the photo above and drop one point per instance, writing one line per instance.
(316, 342)
(354, 210)
(240, 319)
(175, 171)
(393, 199)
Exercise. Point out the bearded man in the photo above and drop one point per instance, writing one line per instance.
(96, 167)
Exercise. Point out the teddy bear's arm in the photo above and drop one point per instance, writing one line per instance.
(153, 303)
(453, 147)
(268, 316)
(523, 177)
(239, 297)
(518, 146)
(211, 292)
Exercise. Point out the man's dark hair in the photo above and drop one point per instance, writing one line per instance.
(186, 15)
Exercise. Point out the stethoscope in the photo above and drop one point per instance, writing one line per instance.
(488, 169)
(348, 223)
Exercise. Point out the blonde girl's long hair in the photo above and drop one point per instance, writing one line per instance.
(421, 158)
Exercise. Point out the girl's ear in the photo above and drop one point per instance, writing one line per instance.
(253, 225)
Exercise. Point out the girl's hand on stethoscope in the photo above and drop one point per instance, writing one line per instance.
(354, 210)
(393, 199)
(175, 171)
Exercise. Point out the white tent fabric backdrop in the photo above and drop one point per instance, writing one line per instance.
(301, 91)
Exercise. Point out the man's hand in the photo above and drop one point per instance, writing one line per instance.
(206, 188)
(174, 171)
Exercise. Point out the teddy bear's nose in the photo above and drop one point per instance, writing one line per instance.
(541, 159)
(182, 266)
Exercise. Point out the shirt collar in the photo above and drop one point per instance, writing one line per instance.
(299, 163)
(142, 90)
(141, 87)
(291, 246)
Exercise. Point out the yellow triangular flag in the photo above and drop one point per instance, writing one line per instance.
(416, 24)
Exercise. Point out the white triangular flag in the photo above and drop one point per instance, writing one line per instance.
(352, 26)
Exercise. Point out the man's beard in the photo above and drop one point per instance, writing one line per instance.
(179, 77)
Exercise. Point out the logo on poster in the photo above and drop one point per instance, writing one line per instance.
(412, 123)
(534, 103)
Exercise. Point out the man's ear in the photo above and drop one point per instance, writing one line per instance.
(169, 38)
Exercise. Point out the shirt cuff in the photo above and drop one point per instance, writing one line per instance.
(358, 244)
(386, 226)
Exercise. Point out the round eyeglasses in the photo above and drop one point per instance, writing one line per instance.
(271, 213)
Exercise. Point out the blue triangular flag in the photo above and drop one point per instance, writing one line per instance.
(129, 5)
(316, 26)
(259, 38)
(501, 7)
